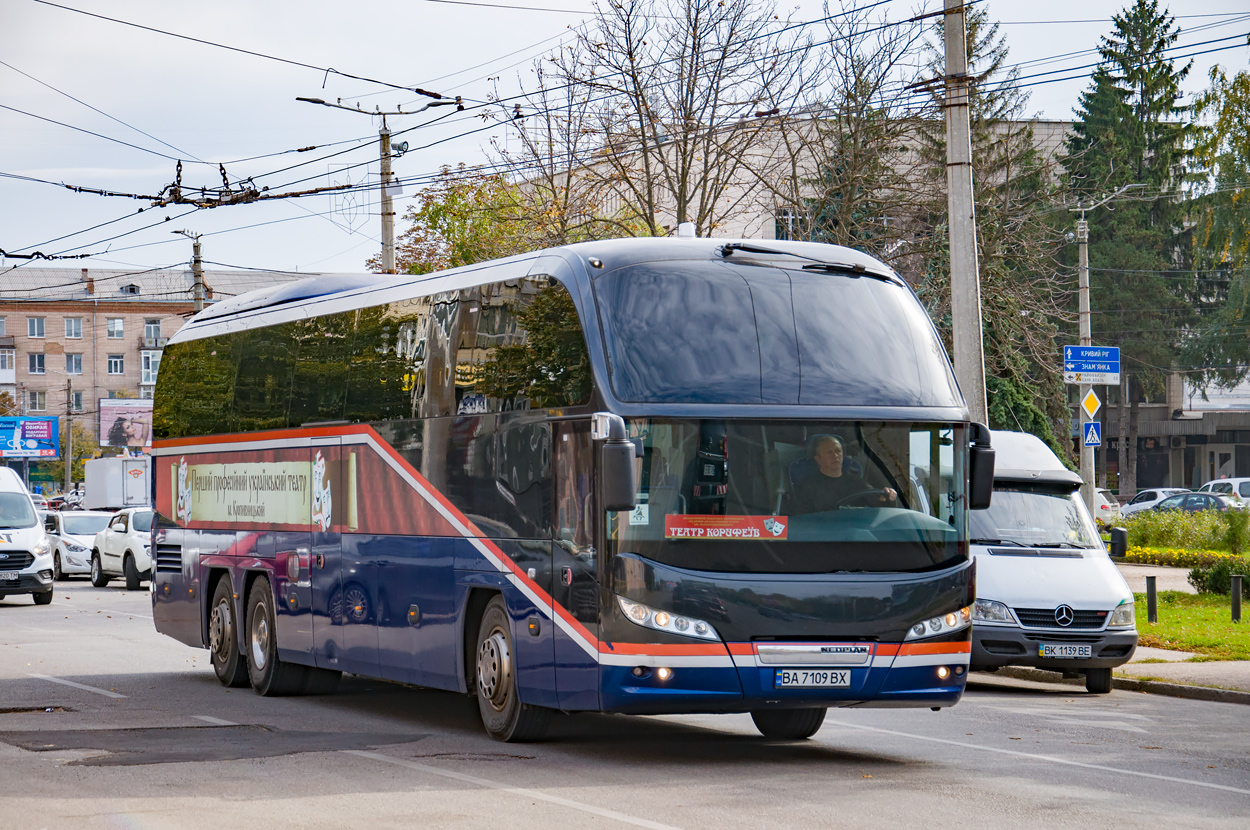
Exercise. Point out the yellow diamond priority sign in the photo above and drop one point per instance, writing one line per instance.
(1091, 404)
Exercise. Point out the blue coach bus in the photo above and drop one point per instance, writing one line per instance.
(637, 476)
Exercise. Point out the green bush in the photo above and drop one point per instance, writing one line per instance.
(1236, 526)
(1217, 578)
(1177, 529)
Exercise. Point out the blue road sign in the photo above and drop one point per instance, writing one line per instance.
(1093, 433)
(1091, 364)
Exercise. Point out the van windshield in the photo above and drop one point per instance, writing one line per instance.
(1034, 518)
(16, 511)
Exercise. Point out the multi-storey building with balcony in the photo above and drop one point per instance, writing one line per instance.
(69, 336)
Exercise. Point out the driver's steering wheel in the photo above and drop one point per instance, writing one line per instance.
(867, 498)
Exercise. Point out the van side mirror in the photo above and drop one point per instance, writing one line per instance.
(1119, 543)
(980, 467)
(617, 468)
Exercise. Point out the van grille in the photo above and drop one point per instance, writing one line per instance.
(16, 560)
(1045, 618)
(168, 558)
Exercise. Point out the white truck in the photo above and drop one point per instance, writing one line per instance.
(117, 483)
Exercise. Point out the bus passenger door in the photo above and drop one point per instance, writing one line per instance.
(575, 564)
(331, 618)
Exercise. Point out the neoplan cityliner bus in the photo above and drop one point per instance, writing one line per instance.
(571, 480)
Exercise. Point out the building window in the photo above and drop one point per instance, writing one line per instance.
(73, 328)
(146, 392)
(8, 358)
(37, 401)
(152, 329)
(36, 364)
(75, 401)
(151, 365)
(34, 327)
(117, 364)
(116, 328)
(2, 326)
(73, 364)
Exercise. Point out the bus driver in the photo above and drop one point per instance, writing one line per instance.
(829, 486)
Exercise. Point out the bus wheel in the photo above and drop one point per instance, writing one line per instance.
(1098, 681)
(505, 717)
(269, 675)
(788, 724)
(223, 639)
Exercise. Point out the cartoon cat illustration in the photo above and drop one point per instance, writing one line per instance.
(183, 511)
(321, 498)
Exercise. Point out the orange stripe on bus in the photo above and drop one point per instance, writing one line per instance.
(659, 650)
(936, 648)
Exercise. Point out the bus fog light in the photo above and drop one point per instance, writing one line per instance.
(959, 671)
(943, 672)
(663, 673)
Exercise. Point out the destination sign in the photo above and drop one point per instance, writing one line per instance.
(1091, 364)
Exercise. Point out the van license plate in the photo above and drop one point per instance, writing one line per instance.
(827, 678)
(1064, 650)
(12, 575)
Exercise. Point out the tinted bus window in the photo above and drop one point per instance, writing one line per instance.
(758, 497)
(675, 334)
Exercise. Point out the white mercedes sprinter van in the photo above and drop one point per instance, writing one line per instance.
(25, 553)
(1048, 595)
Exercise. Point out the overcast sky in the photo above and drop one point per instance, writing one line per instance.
(201, 102)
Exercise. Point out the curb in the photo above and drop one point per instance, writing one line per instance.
(1129, 684)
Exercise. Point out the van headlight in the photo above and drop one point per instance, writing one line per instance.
(1122, 616)
(42, 548)
(989, 611)
(945, 624)
(648, 617)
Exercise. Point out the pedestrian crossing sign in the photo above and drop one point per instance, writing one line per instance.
(1093, 434)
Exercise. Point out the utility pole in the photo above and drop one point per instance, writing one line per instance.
(197, 269)
(1087, 338)
(69, 435)
(965, 273)
(384, 159)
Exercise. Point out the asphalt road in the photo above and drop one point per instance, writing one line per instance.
(140, 735)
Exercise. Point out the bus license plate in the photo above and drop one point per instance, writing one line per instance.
(1064, 650)
(828, 678)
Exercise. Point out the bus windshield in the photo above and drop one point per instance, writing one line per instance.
(796, 496)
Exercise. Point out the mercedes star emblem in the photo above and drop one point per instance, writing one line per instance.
(1064, 616)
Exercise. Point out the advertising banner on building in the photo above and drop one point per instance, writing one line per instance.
(125, 422)
(30, 438)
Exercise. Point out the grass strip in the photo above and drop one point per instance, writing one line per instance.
(1201, 623)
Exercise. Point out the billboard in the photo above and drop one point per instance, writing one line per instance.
(30, 438)
(125, 422)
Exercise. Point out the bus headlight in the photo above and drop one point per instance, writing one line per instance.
(648, 617)
(1122, 616)
(945, 624)
(987, 610)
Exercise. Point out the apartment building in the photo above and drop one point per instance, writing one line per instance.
(69, 336)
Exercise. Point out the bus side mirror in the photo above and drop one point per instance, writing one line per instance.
(1119, 542)
(617, 468)
(980, 467)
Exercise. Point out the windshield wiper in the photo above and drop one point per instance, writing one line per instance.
(997, 542)
(1061, 545)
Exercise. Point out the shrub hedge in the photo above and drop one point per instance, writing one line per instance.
(1206, 530)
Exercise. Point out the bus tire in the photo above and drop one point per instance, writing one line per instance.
(223, 639)
(788, 724)
(98, 579)
(1098, 681)
(130, 572)
(505, 717)
(270, 676)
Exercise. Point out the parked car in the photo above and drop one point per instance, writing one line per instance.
(122, 548)
(1147, 499)
(1236, 488)
(1106, 508)
(72, 534)
(1197, 502)
(25, 553)
(1048, 595)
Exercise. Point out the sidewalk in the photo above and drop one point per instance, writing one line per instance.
(1160, 671)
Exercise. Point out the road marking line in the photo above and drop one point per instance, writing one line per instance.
(214, 721)
(83, 686)
(125, 613)
(1051, 758)
(521, 791)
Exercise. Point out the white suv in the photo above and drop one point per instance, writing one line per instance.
(1147, 499)
(25, 554)
(122, 548)
(1237, 489)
